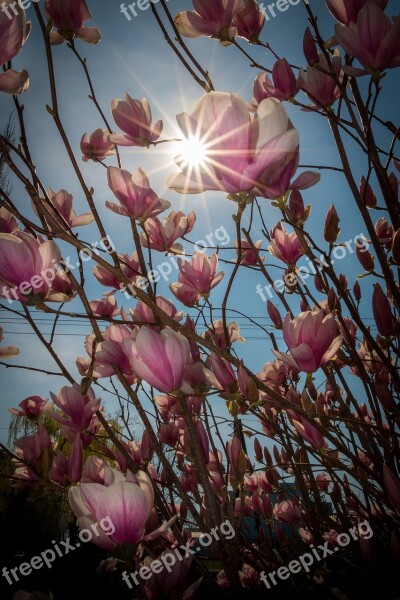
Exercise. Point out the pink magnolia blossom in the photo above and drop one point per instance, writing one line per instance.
(160, 358)
(79, 412)
(163, 234)
(318, 83)
(311, 339)
(97, 146)
(307, 431)
(108, 353)
(106, 307)
(220, 374)
(212, 18)
(129, 266)
(197, 278)
(14, 30)
(62, 211)
(67, 469)
(287, 511)
(216, 333)
(172, 584)
(134, 118)
(250, 256)
(29, 269)
(68, 17)
(32, 407)
(243, 153)
(94, 470)
(125, 502)
(284, 85)
(374, 39)
(7, 351)
(37, 452)
(249, 577)
(137, 199)
(285, 246)
(142, 314)
(346, 11)
(8, 223)
(168, 434)
(249, 21)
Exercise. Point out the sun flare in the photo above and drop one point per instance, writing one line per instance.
(193, 152)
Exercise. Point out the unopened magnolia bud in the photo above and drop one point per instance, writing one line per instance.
(331, 227)
(367, 194)
(366, 259)
(357, 291)
(396, 247)
(274, 315)
(310, 48)
(382, 312)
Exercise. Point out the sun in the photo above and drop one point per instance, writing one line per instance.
(193, 153)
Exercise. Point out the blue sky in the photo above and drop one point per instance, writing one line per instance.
(134, 57)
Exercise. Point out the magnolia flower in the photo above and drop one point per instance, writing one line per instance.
(212, 18)
(67, 469)
(62, 211)
(14, 31)
(374, 40)
(134, 118)
(36, 452)
(284, 85)
(29, 269)
(162, 235)
(129, 266)
(346, 11)
(137, 199)
(125, 502)
(68, 17)
(249, 252)
(97, 146)
(174, 583)
(243, 153)
(79, 412)
(106, 307)
(285, 246)
(8, 223)
(197, 278)
(108, 353)
(7, 351)
(249, 21)
(160, 358)
(311, 339)
(32, 407)
(287, 511)
(318, 83)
